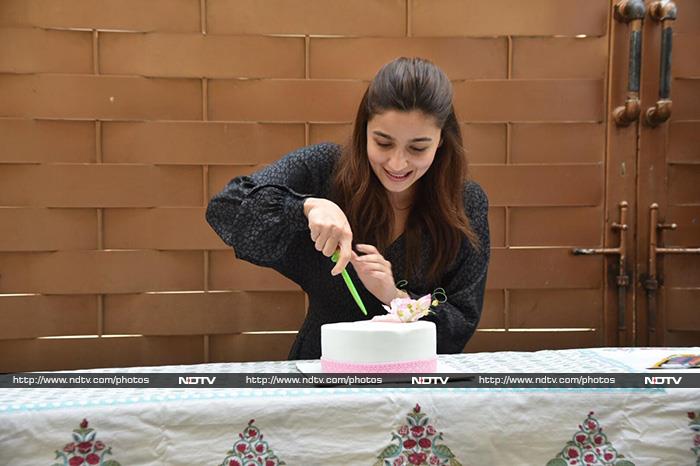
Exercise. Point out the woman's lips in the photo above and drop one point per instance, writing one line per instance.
(396, 178)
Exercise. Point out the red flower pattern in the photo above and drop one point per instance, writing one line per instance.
(85, 447)
(251, 449)
(408, 444)
(85, 450)
(417, 458)
(418, 444)
(589, 446)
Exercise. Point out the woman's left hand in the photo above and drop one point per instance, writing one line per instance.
(374, 272)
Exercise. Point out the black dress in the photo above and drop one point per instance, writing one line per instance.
(261, 216)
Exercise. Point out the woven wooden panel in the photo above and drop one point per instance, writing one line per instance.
(157, 15)
(531, 340)
(118, 128)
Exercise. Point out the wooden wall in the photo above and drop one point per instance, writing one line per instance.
(119, 119)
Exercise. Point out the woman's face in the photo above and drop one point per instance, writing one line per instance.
(401, 147)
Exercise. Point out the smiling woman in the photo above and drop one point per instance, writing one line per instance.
(395, 204)
(397, 162)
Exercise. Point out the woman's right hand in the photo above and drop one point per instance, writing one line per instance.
(330, 230)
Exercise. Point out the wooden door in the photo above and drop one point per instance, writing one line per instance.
(583, 181)
(668, 208)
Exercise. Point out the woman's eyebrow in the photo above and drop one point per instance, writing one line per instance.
(384, 135)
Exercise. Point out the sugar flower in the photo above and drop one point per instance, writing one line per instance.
(407, 309)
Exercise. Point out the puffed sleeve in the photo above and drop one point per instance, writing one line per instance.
(260, 215)
(465, 283)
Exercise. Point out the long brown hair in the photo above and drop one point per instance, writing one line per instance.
(407, 84)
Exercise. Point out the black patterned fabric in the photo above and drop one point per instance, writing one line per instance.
(261, 216)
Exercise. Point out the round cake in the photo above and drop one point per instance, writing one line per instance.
(379, 347)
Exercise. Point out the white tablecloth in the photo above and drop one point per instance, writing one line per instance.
(360, 426)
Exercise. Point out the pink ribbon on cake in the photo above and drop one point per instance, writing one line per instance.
(416, 366)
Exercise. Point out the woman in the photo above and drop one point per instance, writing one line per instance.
(393, 202)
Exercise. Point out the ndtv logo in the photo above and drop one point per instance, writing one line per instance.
(429, 380)
(662, 380)
(196, 380)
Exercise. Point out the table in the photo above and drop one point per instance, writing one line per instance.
(362, 425)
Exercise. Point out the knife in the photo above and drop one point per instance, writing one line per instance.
(350, 285)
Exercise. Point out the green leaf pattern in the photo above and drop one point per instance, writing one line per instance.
(416, 444)
(694, 425)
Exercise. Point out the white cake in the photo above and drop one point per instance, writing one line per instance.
(379, 347)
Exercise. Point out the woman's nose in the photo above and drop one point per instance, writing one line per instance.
(397, 161)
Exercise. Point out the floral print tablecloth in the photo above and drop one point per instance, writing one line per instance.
(359, 425)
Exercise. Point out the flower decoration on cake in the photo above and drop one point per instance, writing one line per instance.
(84, 450)
(407, 309)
